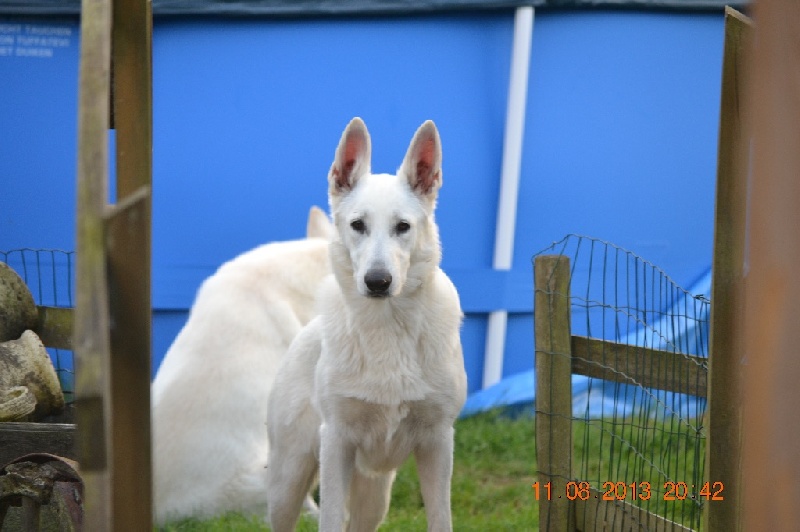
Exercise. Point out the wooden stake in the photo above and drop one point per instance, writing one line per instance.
(724, 446)
(91, 335)
(113, 285)
(553, 390)
(772, 292)
(129, 244)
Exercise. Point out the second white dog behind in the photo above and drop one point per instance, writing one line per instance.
(210, 393)
(379, 375)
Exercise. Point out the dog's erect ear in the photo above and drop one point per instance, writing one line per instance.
(352, 157)
(423, 162)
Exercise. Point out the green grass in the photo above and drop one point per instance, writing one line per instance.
(495, 465)
(645, 450)
(493, 469)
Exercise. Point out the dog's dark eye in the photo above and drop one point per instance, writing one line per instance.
(402, 227)
(358, 226)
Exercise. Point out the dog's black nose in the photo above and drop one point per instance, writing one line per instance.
(378, 281)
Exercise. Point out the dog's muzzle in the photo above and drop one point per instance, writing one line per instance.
(378, 282)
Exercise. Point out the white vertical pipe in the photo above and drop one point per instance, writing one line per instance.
(509, 185)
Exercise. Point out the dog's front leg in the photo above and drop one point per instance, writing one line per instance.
(337, 461)
(435, 467)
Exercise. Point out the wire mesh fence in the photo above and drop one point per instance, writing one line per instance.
(636, 353)
(49, 274)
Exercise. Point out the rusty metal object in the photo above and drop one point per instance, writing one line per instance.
(41, 490)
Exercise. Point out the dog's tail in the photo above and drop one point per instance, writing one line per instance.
(319, 225)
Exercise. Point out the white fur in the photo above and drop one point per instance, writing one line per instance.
(209, 397)
(379, 374)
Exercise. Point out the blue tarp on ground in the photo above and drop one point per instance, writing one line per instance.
(594, 398)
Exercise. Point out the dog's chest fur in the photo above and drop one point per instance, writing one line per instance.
(385, 434)
(389, 353)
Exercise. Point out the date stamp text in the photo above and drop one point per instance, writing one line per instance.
(632, 491)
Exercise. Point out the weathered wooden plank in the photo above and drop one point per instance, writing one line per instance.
(131, 369)
(55, 326)
(723, 447)
(554, 388)
(25, 438)
(772, 290)
(129, 252)
(630, 364)
(619, 516)
(91, 335)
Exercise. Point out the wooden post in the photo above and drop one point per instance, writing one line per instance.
(553, 390)
(724, 446)
(772, 291)
(113, 274)
(129, 244)
(91, 334)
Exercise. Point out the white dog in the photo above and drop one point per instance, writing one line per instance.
(210, 393)
(379, 374)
